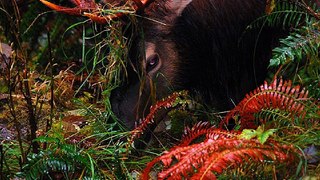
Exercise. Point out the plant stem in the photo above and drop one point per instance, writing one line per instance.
(32, 118)
(11, 85)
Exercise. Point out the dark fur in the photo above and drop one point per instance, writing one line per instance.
(208, 50)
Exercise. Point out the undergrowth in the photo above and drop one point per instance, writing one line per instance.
(56, 120)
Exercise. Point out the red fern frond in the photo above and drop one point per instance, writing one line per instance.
(166, 103)
(193, 133)
(223, 150)
(215, 155)
(277, 95)
(204, 128)
(218, 162)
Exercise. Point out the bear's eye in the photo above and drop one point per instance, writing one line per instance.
(152, 62)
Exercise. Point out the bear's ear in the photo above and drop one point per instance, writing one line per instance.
(177, 6)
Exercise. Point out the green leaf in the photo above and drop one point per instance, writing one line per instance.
(44, 139)
(248, 134)
(265, 135)
(304, 42)
(259, 133)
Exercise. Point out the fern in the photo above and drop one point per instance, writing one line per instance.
(203, 128)
(290, 14)
(304, 42)
(206, 152)
(217, 153)
(232, 158)
(279, 100)
(285, 14)
(168, 102)
(60, 159)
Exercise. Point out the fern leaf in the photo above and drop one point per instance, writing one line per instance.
(285, 14)
(304, 42)
(279, 95)
(219, 162)
(213, 156)
(204, 128)
(166, 103)
(65, 159)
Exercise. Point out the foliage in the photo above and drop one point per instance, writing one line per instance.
(10, 157)
(40, 75)
(278, 102)
(60, 159)
(284, 14)
(55, 114)
(169, 102)
(75, 148)
(298, 45)
(223, 151)
(219, 151)
(297, 55)
(259, 133)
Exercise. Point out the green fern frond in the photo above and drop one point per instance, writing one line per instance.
(304, 42)
(271, 114)
(286, 14)
(61, 159)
